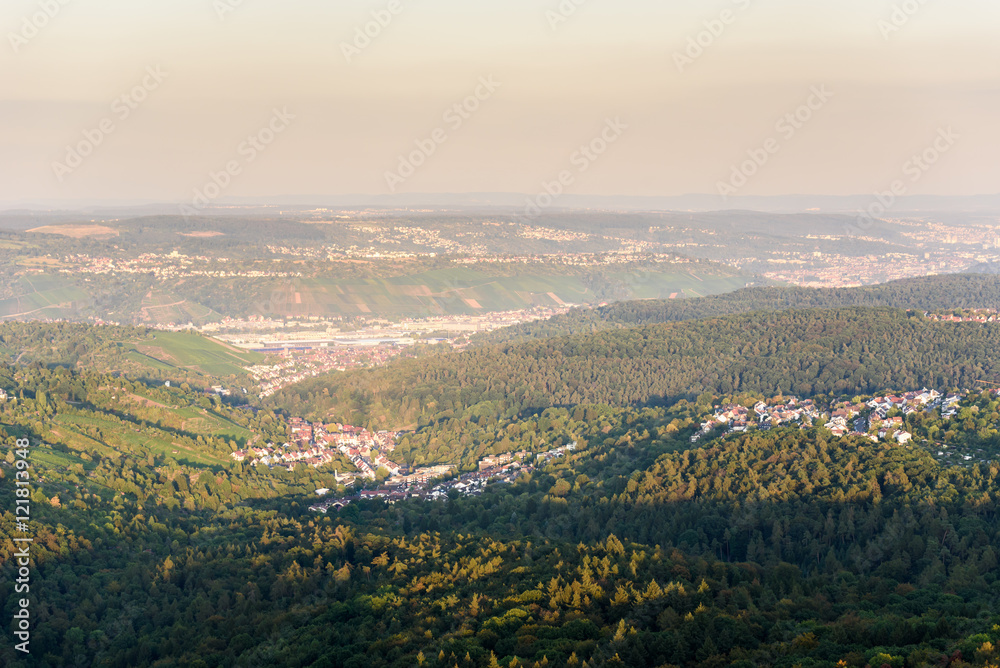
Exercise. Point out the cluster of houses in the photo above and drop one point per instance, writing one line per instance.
(887, 429)
(910, 402)
(496, 461)
(317, 445)
(419, 478)
(874, 421)
(544, 458)
(359, 437)
(869, 418)
(3, 394)
(169, 266)
(365, 449)
(763, 415)
(981, 316)
(502, 468)
(306, 362)
(285, 455)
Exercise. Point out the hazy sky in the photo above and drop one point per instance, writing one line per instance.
(563, 75)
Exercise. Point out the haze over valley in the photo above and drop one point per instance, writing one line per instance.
(560, 334)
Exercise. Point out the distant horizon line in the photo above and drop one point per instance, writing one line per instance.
(693, 202)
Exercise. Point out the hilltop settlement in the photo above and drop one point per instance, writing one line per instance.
(879, 418)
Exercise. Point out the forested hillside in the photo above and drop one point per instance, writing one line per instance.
(784, 547)
(805, 352)
(930, 293)
(139, 352)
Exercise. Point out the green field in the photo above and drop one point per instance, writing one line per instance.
(144, 353)
(180, 350)
(115, 436)
(43, 296)
(200, 421)
(162, 307)
(60, 459)
(70, 430)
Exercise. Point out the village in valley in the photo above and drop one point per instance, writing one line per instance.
(294, 365)
(437, 483)
(370, 453)
(317, 445)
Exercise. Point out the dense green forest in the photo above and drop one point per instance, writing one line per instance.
(803, 352)
(778, 548)
(782, 548)
(923, 294)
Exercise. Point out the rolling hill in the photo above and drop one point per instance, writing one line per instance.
(136, 351)
(410, 292)
(931, 293)
(804, 352)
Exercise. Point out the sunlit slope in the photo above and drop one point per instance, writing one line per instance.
(155, 355)
(803, 352)
(463, 291)
(413, 292)
(40, 296)
(956, 291)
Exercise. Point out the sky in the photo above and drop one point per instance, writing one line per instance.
(199, 100)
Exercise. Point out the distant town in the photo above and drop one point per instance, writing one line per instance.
(818, 270)
(297, 364)
(309, 347)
